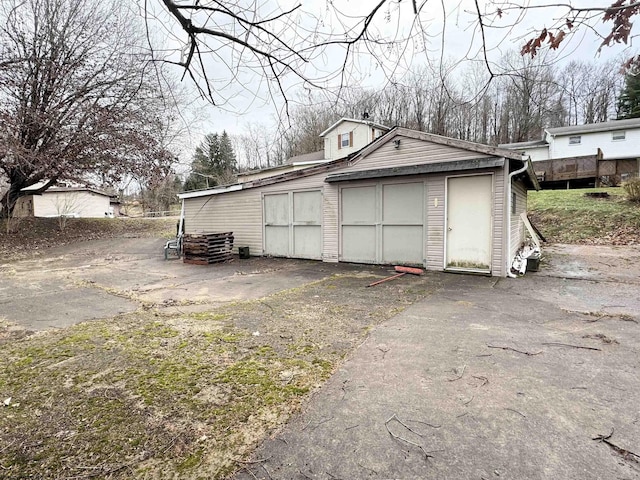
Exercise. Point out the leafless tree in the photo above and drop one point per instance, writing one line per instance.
(590, 91)
(342, 42)
(77, 96)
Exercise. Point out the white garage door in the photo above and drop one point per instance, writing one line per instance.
(293, 224)
(383, 223)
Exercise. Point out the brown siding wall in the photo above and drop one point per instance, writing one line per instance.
(23, 207)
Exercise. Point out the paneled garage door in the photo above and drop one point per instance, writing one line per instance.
(383, 223)
(293, 224)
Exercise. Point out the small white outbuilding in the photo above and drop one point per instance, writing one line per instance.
(77, 202)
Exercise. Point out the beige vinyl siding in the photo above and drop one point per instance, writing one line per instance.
(517, 225)
(73, 203)
(237, 212)
(499, 230)
(331, 222)
(240, 212)
(411, 152)
(435, 222)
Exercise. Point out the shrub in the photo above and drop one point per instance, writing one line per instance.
(632, 189)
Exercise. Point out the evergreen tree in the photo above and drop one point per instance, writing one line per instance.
(213, 163)
(629, 99)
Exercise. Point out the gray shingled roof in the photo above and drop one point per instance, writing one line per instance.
(306, 157)
(596, 127)
(520, 145)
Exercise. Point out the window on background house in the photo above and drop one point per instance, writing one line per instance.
(575, 140)
(513, 203)
(345, 140)
(618, 136)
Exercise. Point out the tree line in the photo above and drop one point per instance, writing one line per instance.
(84, 99)
(511, 108)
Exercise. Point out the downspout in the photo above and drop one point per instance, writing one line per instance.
(180, 229)
(509, 196)
(181, 224)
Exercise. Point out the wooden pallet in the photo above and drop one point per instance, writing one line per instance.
(207, 248)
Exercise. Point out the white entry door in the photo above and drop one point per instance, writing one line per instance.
(469, 223)
(293, 224)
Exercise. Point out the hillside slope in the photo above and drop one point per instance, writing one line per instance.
(571, 216)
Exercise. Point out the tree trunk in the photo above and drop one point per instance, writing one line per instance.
(9, 200)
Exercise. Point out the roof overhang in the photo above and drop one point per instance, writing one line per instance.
(425, 168)
(210, 191)
(531, 179)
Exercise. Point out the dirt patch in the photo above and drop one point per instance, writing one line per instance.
(158, 395)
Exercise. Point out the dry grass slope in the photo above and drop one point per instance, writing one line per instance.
(570, 216)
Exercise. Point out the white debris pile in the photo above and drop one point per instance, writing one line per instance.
(529, 251)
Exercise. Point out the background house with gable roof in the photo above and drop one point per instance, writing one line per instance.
(582, 155)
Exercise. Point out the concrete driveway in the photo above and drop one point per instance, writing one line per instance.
(485, 379)
(104, 278)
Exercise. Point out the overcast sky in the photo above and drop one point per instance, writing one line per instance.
(452, 35)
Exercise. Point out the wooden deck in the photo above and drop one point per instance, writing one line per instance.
(584, 168)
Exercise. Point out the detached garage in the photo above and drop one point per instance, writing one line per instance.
(407, 198)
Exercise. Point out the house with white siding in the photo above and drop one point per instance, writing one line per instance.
(608, 151)
(408, 197)
(345, 136)
(77, 202)
(349, 135)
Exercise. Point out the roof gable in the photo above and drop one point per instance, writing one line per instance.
(353, 120)
(439, 140)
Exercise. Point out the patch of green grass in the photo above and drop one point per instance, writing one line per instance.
(192, 461)
(177, 395)
(570, 216)
(226, 336)
(209, 316)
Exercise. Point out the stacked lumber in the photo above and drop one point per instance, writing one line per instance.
(206, 248)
